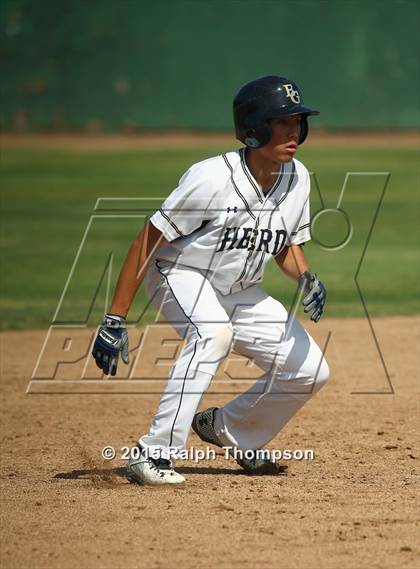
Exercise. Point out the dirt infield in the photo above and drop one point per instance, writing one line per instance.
(162, 140)
(354, 505)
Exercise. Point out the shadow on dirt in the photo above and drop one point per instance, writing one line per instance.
(108, 473)
(89, 472)
(212, 470)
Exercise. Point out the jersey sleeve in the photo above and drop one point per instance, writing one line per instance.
(189, 204)
(302, 232)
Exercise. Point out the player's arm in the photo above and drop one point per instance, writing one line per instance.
(180, 214)
(112, 338)
(293, 263)
(134, 268)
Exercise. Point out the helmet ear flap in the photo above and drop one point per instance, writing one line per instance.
(303, 129)
(251, 139)
(257, 137)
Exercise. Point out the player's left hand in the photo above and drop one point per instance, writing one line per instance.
(111, 341)
(315, 295)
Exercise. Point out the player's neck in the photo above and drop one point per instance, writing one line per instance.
(265, 172)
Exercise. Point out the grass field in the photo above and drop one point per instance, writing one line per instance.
(48, 196)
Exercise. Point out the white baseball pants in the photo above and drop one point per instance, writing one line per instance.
(256, 326)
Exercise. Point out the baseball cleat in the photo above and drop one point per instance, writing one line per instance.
(143, 470)
(203, 425)
(257, 466)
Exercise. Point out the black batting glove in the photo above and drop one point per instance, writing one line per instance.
(315, 295)
(112, 339)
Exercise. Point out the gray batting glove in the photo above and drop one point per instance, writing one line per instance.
(111, 341)
(315, 295)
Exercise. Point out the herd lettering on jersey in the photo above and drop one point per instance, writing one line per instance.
(253, 239)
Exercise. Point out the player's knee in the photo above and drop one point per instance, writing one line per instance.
(224, 336)
(322, 373)
(220, 335)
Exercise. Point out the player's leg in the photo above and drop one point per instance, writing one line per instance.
(294, 365)
(188, 301)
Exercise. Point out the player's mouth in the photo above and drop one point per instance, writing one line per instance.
(291, 148)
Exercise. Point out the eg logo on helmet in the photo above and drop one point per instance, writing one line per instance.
(292, 93)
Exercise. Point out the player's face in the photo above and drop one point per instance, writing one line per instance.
(284, 141)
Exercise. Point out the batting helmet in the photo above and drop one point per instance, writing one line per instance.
(263, 99)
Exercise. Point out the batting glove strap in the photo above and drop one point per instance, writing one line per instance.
(114, 321)
(109, 340)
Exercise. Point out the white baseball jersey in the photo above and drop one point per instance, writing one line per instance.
(219, 222)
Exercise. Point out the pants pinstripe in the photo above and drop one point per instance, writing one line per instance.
(258, 327)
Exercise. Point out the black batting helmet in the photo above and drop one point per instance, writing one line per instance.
(263, 99)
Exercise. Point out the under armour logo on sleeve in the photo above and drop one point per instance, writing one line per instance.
(234, 209)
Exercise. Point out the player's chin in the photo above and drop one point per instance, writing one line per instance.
(280, 155)
(285, 157)
(288, 158)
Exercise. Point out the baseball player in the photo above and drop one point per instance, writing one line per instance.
(202, 258)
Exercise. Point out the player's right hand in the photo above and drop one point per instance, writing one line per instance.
(112, 339)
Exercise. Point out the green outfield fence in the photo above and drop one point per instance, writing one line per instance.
(135, 64)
